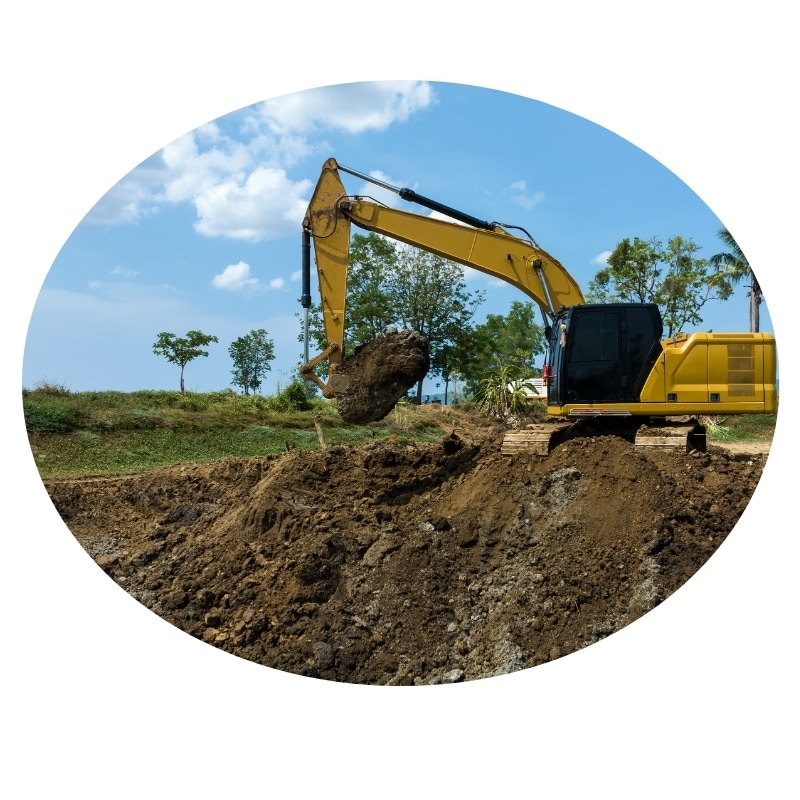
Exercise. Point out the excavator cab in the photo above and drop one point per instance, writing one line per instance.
(602, 353)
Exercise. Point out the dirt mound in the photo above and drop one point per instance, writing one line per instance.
(378, 374)
(411, 564)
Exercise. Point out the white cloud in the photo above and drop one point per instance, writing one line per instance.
(351, 107)
(489, 281)
(237, 277)
(134, 197)
(239, 185)
(518, 193)
(264, 205)
(234, 278)
(122, 272)
(602, 258)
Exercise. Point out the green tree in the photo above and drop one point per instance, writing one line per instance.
(369, 306)
(688, 285)
(251, 355)
(734, 263)
(181, 350)
(428, 295)
(514, 339)
(631, 275)
(389, 284)
(672, 277)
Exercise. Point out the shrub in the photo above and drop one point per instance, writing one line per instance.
(48, 415)
(502, 391)
(46, 389)
(293, 398)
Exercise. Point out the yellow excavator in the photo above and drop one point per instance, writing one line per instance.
(606, 364)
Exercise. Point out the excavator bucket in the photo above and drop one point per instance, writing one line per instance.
(368, 385)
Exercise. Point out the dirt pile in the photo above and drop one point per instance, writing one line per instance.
(378, 374)
(397, 564)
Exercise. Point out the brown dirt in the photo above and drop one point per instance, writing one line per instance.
(380, 372)
(412, 564)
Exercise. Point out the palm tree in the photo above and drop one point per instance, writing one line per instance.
(733, 261)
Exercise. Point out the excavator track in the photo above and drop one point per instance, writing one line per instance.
(534, 439)
(683, 436)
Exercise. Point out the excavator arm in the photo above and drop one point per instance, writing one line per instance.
(483, 246)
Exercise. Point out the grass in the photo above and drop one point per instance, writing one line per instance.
(743, 428)
(117, 433)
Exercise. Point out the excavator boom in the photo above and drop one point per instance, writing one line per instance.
(489, 249)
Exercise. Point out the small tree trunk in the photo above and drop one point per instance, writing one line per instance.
(320, 435)
(181, 379)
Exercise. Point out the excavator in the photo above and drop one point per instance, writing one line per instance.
(607, 368)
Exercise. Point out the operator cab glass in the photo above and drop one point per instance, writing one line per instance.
(602, 353)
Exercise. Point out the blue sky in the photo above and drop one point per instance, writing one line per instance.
(205, 233)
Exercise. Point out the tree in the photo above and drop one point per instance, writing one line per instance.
(182, 350)
(251, 355)
(631, 275)
(389, 284)
(428, 295)
(672, 277)
(733, 262)
(511, 340)
(369, 306)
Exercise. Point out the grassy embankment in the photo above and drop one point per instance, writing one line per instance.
(116, 433)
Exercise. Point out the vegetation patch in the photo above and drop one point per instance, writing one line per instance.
(116, 433)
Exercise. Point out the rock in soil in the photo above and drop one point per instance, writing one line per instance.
(412, 564)
(369, 383)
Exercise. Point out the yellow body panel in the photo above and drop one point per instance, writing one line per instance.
(702, 373)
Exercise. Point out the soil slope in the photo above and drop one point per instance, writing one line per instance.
(392, 564)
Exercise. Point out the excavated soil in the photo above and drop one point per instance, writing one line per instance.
(380, 372)
(393, 564)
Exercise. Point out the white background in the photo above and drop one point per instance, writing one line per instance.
(104, 699)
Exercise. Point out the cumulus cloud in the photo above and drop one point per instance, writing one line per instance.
(351, 107)
(237, 277)
(234, 170)
(602, 258)
(234, 278)
(137, 196)
(262, 205)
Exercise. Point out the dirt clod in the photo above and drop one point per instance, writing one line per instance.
(378, 374)
(397, 564)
